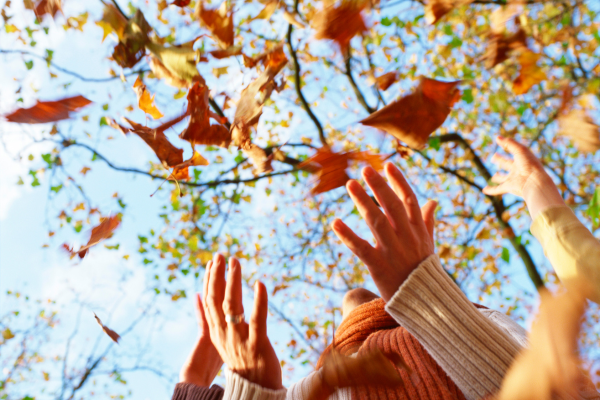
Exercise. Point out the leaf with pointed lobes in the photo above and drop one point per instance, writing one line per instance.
(199, 129)
(181, 171)
(177, 65)
(530, 74)
(112, 21)
(386, 80)
(218, 21)
(168, 154)
(582, 130)
(48, 111)
(181, 3)
(103, 231)
(50, 7)
(340, 23)
(132, 46)
(249, 107)
(500, 45)
(549, 367)
(436, 9)
(112, 334)
(373, 369)
(145, 101)
(413, 118)
(331, 167)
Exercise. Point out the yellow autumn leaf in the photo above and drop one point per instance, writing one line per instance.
(145, 101)
(530, 73)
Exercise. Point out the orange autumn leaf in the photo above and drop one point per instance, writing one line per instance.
(162, 72)
(168, 154)
(112, 334)
(145, 101)
(413, 118)
(500, 45)
(218, 21)
(549, 367)
(48, 111)
(436, 9)
(103, 231)
(181, 171)
(530, 74)
(199, 129)
(582, 130)
(386, 80)
(181, 3)
(50, 7)
(259, 158)
(331, 167)
(228, 52)
(340, 23)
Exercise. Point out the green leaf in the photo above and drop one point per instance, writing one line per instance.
(56, 189)
(239, 158)
(179, 94)
(505, 255)
(448, 29)
(103, 121)
(468, 96)
(434, 142)
(593, 210)
(143, 239)
(29, 64)
(48, 158)
(121, 204)
(147, 261)
(456, 42)
(385, 21)
(115, 247)
(35, 182)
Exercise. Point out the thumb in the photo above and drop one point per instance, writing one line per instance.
(428, 214)
(202, 322)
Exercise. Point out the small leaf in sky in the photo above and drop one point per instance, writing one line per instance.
(340, 23)
(112, 21)
(99, 233)
(145, 101)
(386, 80)
(168, 154)
(181, 171)
(530, 73)
(29, 64)
(414, 117)
(267, 11)
(593, 210)
(505, 255)
(436, 9)
(582, 130)
(218, 21)
(467, 96)
(48, 111)
(112, 334)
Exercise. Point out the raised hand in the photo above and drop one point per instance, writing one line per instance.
(244, 347)
(526, 178)
(204, 363)
(403, 235)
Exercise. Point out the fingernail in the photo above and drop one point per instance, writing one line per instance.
(368, 171)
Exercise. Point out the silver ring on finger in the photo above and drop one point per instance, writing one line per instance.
(234, 319)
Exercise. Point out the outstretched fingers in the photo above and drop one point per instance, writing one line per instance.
(390, 202)
(503, 162)
(360, 247)
(428, 213)
(375, 219)
(233, 305)
(258, 319)
(404, 192)
(216, 292)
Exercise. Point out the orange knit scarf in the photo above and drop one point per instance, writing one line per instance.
(368, 327)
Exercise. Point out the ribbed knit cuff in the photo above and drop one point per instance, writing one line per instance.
(238, 388)
(472, 350)
(189, 391)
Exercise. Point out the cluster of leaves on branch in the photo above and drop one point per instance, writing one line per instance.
(275, 106)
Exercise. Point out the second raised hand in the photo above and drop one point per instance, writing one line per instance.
(403, 235)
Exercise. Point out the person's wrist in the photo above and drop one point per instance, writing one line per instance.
(540, 193)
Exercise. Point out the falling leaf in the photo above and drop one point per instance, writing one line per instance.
(253, 97)
(582, 130)
(228, 52)
(331, 167)
(293, 19)
(181, 3)
(112, 334)
(132, 46)
(267, 11)
(259, 158)
(48, 111)
(177, 65)
(181, 171)
(436, 9)
(168, 154)
(414, 117)
(217, 72)
(218, 21)
(549, 367)
(530, 74)
(145, 102)
(500, 45)
(274, 58)
(50, 7)
(373, 369)
(340, 23)
(112, 21)
(199, 130)
(386, 80)
(103, 231)
(84, 170)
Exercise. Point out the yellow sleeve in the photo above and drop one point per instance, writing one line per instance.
(571, 248)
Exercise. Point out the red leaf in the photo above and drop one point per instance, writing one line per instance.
(414, 117)
(181, 3)
(48, 111)
(103, 231)
(340, 23)
(112, 334)
(168, 154)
